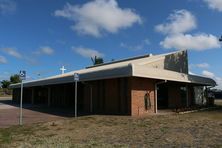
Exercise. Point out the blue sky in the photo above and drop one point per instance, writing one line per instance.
(41, 36)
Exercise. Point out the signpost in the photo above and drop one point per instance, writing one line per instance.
(76, 79)
(22, 75)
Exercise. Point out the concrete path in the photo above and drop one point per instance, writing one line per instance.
(9, 114)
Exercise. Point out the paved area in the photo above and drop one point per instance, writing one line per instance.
(9, 113)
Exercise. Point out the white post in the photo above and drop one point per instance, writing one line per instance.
(156, 98)
(75, 98)
(20, 118)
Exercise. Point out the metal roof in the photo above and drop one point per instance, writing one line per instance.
(135, 67)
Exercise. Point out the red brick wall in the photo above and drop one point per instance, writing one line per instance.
(139, 87)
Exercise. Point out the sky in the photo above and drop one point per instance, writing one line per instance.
(42, 36)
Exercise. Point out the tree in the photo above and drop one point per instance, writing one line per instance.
(97, 60)
(15, 79)
(5, 83)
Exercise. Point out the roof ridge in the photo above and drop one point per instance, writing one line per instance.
(121, 60)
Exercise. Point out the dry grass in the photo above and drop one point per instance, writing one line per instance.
(201, 129)
(3, 98)
(218, 102)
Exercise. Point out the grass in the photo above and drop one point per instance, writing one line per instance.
(201, 129)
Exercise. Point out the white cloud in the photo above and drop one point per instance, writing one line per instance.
(139, 46)
(213, 76)
(203, 65)
(180, 21)
(214, 4)
(12, 52)
(7, 6)
(99, 16)
(45, 50)
(208, 74)
(200, 65)
(193, 42)
(219, 82)
(3, 60)
(87, 52)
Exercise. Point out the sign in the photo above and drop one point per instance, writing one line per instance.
(22, 74)
(76, 77)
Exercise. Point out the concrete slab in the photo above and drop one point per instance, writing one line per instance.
(9, 114)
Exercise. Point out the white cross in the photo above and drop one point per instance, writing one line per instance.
(63, 69)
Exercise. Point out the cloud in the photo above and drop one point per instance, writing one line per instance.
(181, 22)
(219, 82)
(208, 74)
(200, 65)
(214, 4)
(87, 52)
(140, 46)
(203, 65)
(99, 16)
(45, 50)
(178, 22)
(3, 60)
(213, 76)
(12, 52)
(197, 42)
(7, 6)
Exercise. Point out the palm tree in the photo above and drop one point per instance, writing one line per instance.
(15, 79)
(5, 83)
(97, 60)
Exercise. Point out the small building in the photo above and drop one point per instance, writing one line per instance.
(135, 86)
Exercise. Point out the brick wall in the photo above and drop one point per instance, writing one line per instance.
(139, 88)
